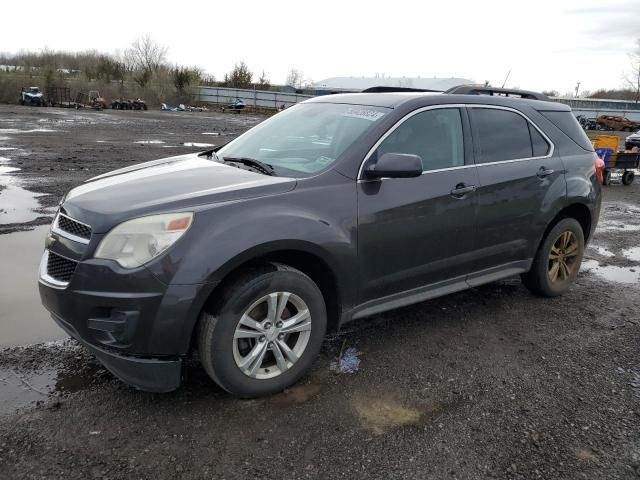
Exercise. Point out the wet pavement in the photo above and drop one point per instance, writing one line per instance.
(23, 320)
(487, 383)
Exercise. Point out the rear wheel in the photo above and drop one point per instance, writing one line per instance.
(606, 178)
(627, 177)
(557, 261)
(265, 334)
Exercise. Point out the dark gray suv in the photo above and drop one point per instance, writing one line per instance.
(338, 208)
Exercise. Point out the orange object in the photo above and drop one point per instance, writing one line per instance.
(607, 141)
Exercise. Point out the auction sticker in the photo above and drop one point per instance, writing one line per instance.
(364, 113)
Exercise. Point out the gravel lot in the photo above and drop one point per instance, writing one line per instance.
(487, 383)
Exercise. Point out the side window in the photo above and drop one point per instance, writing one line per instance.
(540, 145)
(434, 135)
(502, 135)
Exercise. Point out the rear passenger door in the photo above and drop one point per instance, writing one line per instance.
(520, 181)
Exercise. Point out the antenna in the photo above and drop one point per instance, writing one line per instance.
(506, 78)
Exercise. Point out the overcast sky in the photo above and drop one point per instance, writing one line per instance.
(547, 44)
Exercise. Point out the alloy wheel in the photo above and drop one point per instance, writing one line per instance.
(563, 257)
(271, 335)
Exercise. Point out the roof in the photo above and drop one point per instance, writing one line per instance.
(395, 99)
(362, 83)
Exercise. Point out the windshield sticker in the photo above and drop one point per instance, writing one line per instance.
(363, 113)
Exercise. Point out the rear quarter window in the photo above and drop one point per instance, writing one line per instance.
(568, 124)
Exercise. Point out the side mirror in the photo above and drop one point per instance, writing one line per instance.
(395, 165)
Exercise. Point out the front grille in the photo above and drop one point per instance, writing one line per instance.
(73, 227)
(60, 268)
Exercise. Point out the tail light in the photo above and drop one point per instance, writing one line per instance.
(600, 170)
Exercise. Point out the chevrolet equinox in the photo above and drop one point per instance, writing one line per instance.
(338, 208)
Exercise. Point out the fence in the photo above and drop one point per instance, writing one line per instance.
(251, 98)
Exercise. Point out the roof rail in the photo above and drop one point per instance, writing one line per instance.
(384, 89)
(494, 91)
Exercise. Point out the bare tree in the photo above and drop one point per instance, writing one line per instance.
(145, 56)
(294, 78)
(632, 80)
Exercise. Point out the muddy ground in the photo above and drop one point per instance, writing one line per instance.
(488, 383)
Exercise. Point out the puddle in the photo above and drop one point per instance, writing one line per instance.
(612, 273)
(149, 142)
(603, 252)
(380, 414)
(198, 145)
(34, 130)
(23, 320)
(18, 390)
(632, 254)
(17, 205)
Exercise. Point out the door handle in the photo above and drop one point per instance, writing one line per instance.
(461, 190)
(544, 172)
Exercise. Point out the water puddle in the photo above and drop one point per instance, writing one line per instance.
(33, 130)
(603, 252)
(612, 273)
(18, 390)
(632, 254)
(149, 142)
(198, 145)
(23, 320)
(17, 205)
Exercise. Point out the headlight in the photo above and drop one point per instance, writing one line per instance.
(137, 241)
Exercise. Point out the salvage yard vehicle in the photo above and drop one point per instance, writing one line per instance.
(130, 104)
(92, 99)
(632, 140)
(32, 96)
(338, 208)
(612, 122)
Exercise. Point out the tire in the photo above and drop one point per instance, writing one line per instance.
(222, 354)
(540, 279)
(606, 178)
(627, 177)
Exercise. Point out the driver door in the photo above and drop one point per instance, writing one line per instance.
(419, 232)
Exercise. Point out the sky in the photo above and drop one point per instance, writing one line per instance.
(545, 44)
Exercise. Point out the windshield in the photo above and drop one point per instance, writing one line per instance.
(304, 139)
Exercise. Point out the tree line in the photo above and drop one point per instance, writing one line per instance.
(142, 70)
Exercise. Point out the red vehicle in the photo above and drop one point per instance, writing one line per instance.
(131, 104)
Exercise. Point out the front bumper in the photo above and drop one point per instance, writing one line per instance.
(137, 326)
(147, 374)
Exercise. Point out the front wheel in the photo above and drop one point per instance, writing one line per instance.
(265, 334)
(557, 262)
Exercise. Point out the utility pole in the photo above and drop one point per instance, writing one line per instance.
(577, 89)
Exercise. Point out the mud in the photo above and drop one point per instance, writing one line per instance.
(487, 383)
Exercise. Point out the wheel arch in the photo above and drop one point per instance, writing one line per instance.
(577, 211)
(306, 257)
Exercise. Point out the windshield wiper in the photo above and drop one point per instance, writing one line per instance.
(253, 163)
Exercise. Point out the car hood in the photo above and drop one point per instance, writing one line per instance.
(170, 184)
